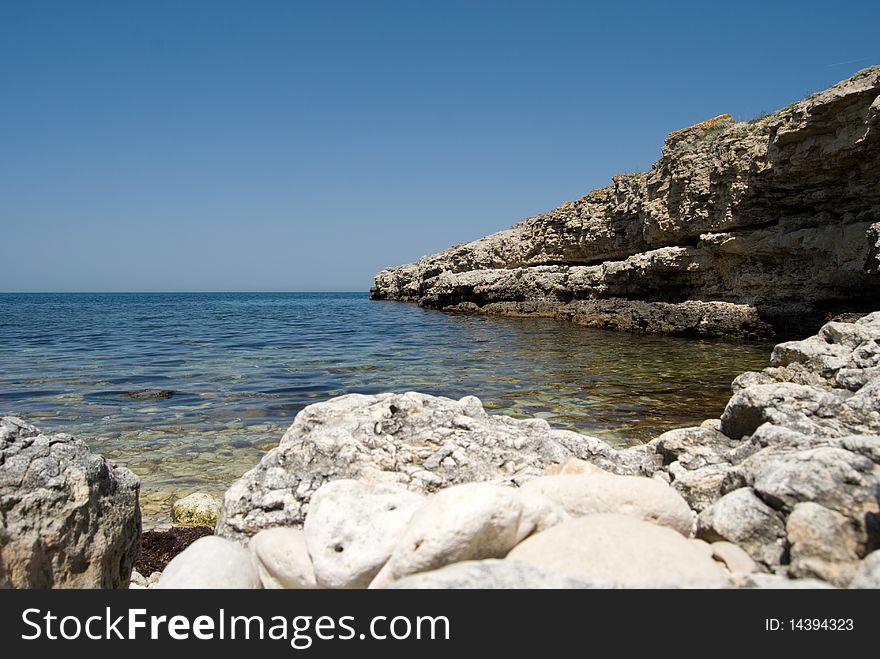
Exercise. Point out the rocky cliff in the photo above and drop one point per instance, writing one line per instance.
(743, 229)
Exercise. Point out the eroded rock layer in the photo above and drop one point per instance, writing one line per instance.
(746, 229)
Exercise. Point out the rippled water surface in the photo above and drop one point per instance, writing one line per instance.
(240, 366)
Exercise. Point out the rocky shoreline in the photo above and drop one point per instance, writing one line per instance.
(749, 230)
(416, 491)
(755, 229)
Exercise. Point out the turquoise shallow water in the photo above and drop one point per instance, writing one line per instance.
(240, 366)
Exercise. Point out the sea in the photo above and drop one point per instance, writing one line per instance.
(189, 390)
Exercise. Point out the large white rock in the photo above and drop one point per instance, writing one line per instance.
(623, 551)
(211, 562)
(465, 522)
(352, 528)
(491, 573)
(282, 560)
(425, 443)
(648, 499)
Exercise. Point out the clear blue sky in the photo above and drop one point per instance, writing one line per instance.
(304, 146)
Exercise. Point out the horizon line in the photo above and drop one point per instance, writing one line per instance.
(169, 292)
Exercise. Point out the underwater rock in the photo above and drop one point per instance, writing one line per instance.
(148, 394)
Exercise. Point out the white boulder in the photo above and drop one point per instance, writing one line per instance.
(281, 559)
(623, 551)
(352, 528)
(465, 522)
(211, 562)
(648, 499)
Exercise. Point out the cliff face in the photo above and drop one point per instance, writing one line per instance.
(746, 229)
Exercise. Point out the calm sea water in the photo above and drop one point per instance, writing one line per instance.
(240, 366)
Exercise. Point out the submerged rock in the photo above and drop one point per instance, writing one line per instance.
(70, 518)
(148, 394)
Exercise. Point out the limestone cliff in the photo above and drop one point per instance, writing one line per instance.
(744, 229)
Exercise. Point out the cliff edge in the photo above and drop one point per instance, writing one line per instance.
(750, 229)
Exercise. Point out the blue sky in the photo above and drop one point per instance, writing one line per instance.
(153, 146)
